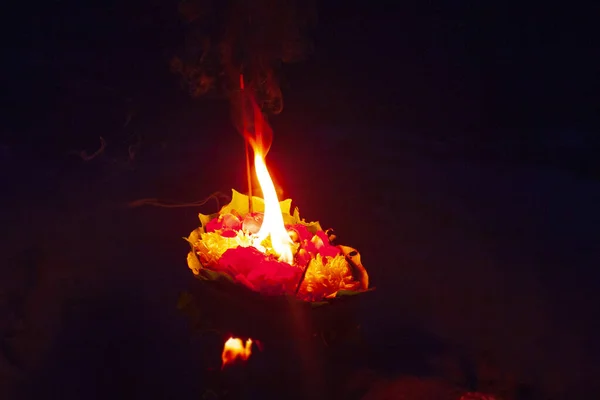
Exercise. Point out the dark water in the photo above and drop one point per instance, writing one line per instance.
(488, 262)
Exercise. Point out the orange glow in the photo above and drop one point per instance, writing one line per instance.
(234, 349)
(259, 135)
(273, 220)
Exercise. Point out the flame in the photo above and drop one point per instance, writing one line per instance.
(234, 349)
(259, 135)
(273, 219)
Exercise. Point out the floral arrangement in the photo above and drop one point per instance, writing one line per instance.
(226, 246)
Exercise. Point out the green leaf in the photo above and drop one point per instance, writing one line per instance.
(296, 216)
(342, 293)
(312, 227)
(286, 206)
(194, 236)
(210, 275)
(193, 262)
(239, 203)
(289, 219)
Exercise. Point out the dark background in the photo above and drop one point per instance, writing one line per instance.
(454, 144)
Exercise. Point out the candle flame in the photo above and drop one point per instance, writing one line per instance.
(273, 219)
(259, 135)
(234, 349)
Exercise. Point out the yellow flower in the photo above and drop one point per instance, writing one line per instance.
(325, 276)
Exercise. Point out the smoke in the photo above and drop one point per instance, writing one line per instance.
(226, 38)
(250, 121)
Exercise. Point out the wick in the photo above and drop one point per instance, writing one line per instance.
(303, 275)
(249, 177)
(248, 170)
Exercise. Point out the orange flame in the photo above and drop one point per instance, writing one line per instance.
(234, 349)
(260, 136)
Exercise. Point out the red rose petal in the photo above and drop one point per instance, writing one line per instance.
(303, 258)
(229, 233)
(311, 248)
(303, 232)
(260, 272)
(213, 225)
(323, 236)
(329, 251)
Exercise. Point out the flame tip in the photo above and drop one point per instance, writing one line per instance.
(234, 349)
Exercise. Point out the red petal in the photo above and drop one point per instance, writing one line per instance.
(260, 272)
(213, 225)
(303, 233)
(329, 251)
(229, 233)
